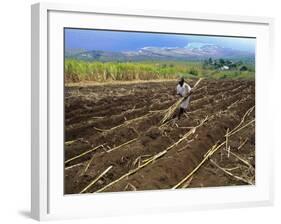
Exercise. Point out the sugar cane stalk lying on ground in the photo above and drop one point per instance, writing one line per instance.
(210, 152)
(83, 154)
(95, 180)
(231, 174)
(171, 110)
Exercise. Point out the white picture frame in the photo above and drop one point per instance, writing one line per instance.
(48, 201)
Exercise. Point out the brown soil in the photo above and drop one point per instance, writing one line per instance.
(111, 115)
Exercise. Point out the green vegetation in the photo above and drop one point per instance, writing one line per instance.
(79, 71)
(222, 64)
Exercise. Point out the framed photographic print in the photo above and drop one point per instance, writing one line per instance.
(148, 111)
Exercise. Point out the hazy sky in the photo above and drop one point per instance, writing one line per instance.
(131, 41)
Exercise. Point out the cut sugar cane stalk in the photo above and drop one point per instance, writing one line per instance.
(192, 131)
(131, 186)
(239, 129)
(92, 150)
(242, 160)
(88, 165)
(128, 122)
(243, 143)
(70, 142)
(73, 166)
(119, 146)
(226, 143)
(95, 180)
(187, 182)
(171, 110)
(211, 152)
(211, 149)
(82, 154)
(133, 171)
(230, 174)
(242, 120)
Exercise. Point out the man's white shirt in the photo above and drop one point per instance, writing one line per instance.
(183, 91)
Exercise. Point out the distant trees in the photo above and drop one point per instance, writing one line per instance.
(224, 64)
(243, 68)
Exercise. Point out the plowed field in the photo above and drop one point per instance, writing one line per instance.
(114, 139)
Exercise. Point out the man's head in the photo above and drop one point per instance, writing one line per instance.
(181, 81)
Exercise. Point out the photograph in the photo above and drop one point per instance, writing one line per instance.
(157, 111)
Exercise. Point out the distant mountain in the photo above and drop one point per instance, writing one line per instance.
(193, 51)
(73, 52)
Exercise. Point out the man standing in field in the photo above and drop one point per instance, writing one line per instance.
(184, 91)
